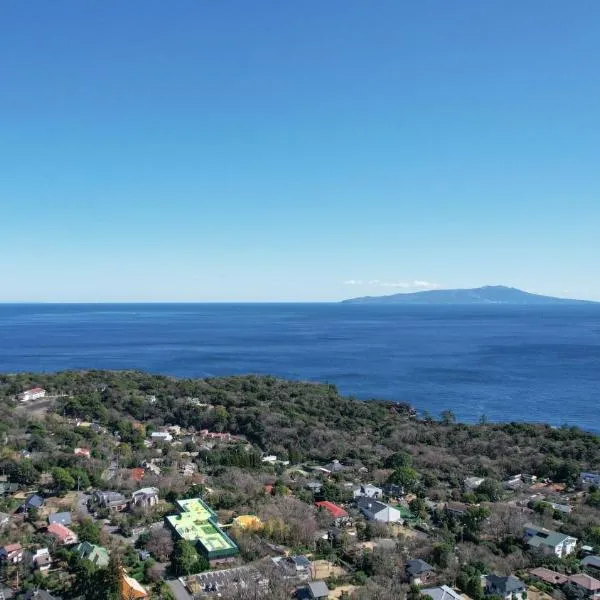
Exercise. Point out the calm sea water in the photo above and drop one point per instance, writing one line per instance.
(509, 363)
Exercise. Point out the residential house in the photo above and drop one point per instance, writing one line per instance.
(419, 572)
(587, 479)
(271, 459)
(368, 490)
(509, 588)
(152, 467)
(12, 553)
(589, 585)
(63, 534)
(513, 483)
(456, 509)
(188, 469)
(137, 474)
(83, 452)
(561, 508)
(131, 589)
(472, 483)
(548, 576)
(441, 593)
(6, 487)
(373, 510)
(294, 567)
(317, 590)
(97, 555)
(145, 497)
(42, 560)
(337, 512)
(549, 542)
(393, 490)
(334, 466)
(315, 487)
(114, 501)
(33, 502)
(591, 562)
(32, 394)
(161, 436)
(64, 518)
(37, 594)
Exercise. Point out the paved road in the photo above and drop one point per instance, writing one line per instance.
(178, 590)
(82, 508)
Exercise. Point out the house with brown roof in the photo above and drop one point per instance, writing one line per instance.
(62, 534)
(588, 584)
(549, 576)
(12, 553)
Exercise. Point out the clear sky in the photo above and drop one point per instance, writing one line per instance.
(310, 150)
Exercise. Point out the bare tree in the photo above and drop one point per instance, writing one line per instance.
(160, 544)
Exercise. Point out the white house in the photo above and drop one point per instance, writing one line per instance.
(271, 459)
(368, 491)
(32, 394)
(549, 542)
(161, 436)
(472, 483)
(374, 510)
(145, 497)
(42, 560)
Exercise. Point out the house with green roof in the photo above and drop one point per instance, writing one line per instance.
(197, 523)
(97, 555)
(548, 541)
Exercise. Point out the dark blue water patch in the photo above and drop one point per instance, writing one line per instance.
(511, 363)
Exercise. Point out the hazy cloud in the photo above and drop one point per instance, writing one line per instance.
(417, 284)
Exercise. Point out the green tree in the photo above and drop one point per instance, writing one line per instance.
(88, 531)
(490, 489)
(397, 460)
(406, 477)
(63, 481)
(418, 508)
(184, 558)
(474, 518)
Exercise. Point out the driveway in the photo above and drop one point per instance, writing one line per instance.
(178, 590)
(81, 505)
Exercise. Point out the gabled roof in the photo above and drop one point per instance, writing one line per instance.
(441, 593)
(10, 548)
(64, 518)
(333, 509)
(318, 589)
(39, 595)
(546, 537)
(506, 585)
(35, 501)
(60, 531)
(418, 566)
(373, 506)
(301, 561)
(591, 561)
(549, 576)
(587, 582)
(131, 588)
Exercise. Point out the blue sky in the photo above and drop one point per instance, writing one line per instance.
(310, 150)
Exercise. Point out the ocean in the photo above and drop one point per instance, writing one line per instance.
(508, 363)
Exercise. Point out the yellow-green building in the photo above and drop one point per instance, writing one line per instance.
(197, 523)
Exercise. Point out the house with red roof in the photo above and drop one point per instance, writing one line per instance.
(84, 452)
(137, 474)
(12, 553)
(337, 512)
(63, 534)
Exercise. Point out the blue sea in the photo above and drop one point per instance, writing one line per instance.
(508, 363)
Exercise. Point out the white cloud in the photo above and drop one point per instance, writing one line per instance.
(417, 284)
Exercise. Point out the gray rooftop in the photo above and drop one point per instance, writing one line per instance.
(64, 518)
(318, 589)
(418, 566)
(506, 585)
(591, 561)
(441, 593)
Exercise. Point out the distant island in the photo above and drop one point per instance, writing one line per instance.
(489, 294)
